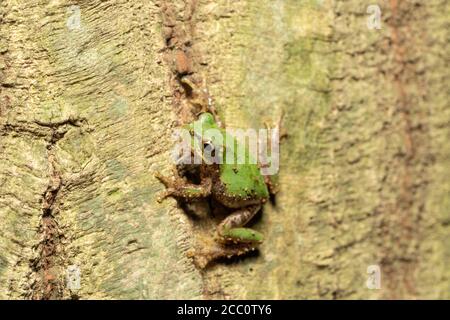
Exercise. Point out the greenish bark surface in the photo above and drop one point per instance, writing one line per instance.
(87, 110)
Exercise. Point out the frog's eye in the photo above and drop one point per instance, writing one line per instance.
(209, 148)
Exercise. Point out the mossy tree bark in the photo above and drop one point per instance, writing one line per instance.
(89, 99)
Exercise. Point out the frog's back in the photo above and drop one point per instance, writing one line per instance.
(242, 181)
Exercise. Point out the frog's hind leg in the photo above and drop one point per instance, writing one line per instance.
(233, 239)
(231, 229)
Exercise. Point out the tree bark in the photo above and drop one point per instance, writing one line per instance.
(90, 96)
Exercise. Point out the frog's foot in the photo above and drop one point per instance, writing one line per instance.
(278, 126)
(177, 187)
(199, 98)
(204, 256)
(232, 239)
(272, 183)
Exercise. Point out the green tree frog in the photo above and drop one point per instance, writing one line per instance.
(238, 185)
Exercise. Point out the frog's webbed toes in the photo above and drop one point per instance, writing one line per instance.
(272, 183)
(170, 181)
(200, 259)
(165, 194)
(203, 257)
(278, 125)
(164, 179)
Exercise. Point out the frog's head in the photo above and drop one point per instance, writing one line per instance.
(206, 137)
(205, 121)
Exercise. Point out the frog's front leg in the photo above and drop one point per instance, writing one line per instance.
(200, 98)
(177, 187)
(231, 229)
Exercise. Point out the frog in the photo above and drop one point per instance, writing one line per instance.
(237, 185)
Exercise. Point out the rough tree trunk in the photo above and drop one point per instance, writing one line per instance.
(88, 106)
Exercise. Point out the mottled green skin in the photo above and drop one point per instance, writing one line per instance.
(244, 235)
(242, 181)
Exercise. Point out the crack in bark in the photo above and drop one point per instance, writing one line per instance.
(48, 285)
(38, 129)
(47, 267)
(402, 227)
(182, 58)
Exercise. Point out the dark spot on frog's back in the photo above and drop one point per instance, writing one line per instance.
(235, 170)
